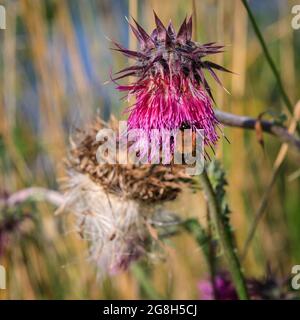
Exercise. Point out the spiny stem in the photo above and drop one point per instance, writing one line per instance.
(270, 60)
(225, 237)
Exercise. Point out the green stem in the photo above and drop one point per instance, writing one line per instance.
(225, 237)
(145, 282)
(193, 227)
(270, 60)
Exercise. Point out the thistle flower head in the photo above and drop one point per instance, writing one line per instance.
(171, 89)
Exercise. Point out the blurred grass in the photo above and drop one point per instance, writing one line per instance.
(54, 61)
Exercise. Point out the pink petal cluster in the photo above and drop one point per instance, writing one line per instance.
(170, 102)
(171, 90)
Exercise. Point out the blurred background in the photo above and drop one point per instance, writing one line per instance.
(54, 61)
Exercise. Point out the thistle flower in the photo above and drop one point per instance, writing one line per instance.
(171, 89)
(268, 288)
(113, 203)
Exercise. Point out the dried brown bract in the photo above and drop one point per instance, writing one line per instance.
(146, 183)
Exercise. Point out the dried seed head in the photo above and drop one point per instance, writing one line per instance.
(115, 228)
(114, 203)
(144, 183)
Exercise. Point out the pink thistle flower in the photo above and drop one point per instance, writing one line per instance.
(171, 90)
(224, 288)
(266, 288)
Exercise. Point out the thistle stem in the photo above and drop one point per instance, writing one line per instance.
(145, 282)
(225, 237)
(244, 122)
(195, 229)
(270, 60)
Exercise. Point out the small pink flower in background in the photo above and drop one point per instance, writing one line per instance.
(171, 91)
(268, 288)
(224, 288)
